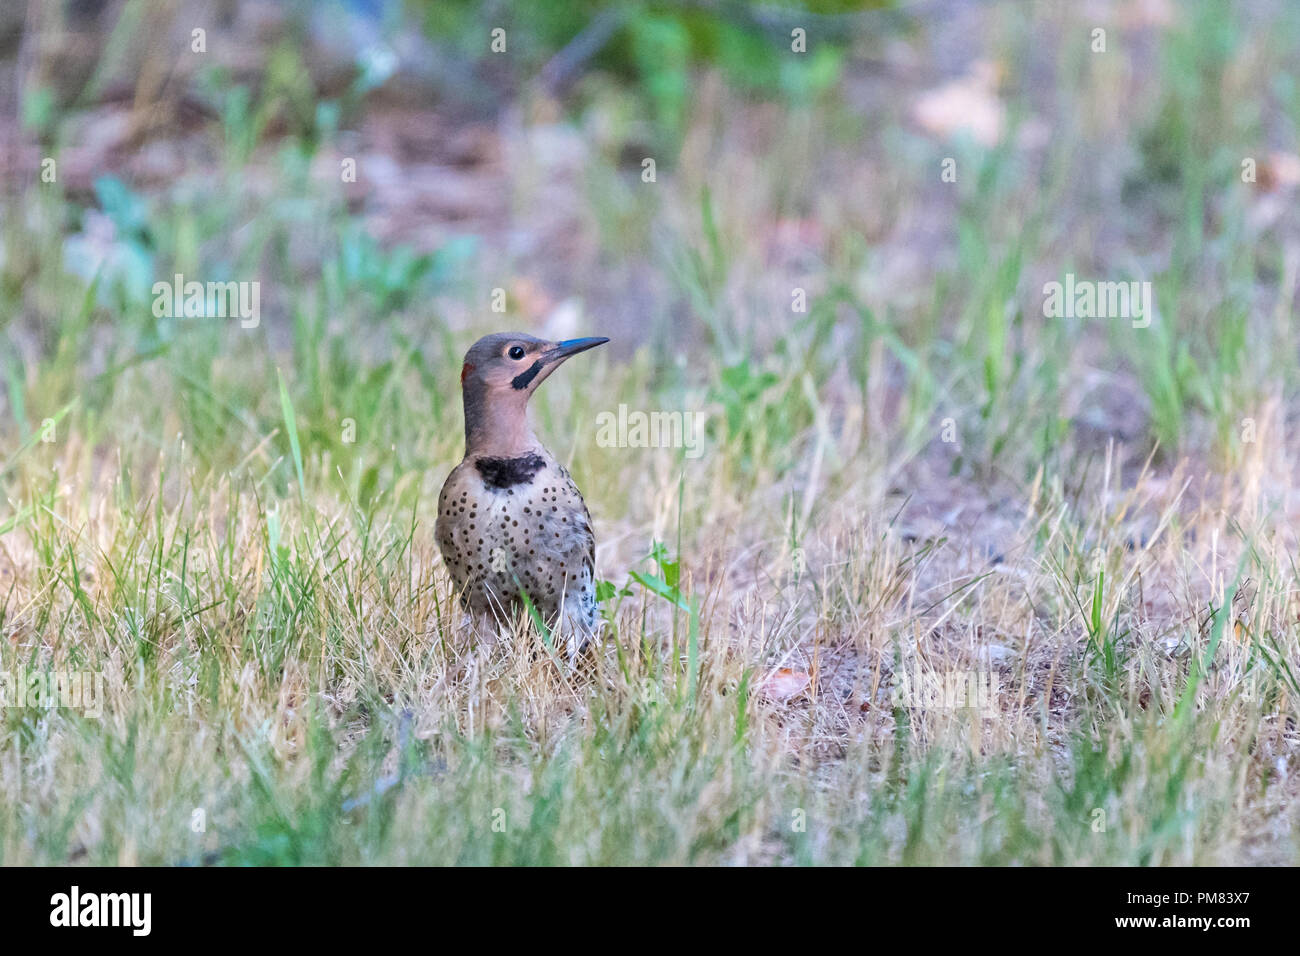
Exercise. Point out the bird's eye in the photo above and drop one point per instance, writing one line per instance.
(517, 352)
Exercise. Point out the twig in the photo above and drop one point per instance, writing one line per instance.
(564, 67)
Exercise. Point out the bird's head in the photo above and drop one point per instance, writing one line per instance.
(500, 374)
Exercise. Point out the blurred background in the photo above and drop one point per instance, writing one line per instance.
(873, 194)
(406, 159)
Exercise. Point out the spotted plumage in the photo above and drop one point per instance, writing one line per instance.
(510, 519)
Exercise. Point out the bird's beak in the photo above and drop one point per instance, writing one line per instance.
(570, 347)
(550, 359)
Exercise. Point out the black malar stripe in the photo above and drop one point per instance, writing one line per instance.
(523, 379)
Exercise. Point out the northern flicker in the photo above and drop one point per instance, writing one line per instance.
(510, 519)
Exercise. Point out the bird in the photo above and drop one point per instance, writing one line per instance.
(511, 522)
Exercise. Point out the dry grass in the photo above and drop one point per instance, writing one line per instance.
(1102, 551)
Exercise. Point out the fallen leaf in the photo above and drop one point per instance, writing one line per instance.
(784, 684)
(969, 105)
(531, 297)
(1278, 171)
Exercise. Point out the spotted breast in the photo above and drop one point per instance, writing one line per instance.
(512, 526)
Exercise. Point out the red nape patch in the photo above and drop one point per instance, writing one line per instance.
(465, 370)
